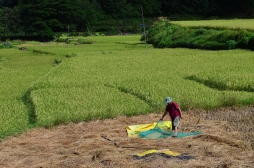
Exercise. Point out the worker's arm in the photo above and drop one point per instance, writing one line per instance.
(180, 112)
(164, 114)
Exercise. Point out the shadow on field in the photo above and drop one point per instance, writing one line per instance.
(218, 85)
(28, 102)
(133, 93)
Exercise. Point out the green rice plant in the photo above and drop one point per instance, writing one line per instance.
(127, 81)
(13, 118)
(76, 104)
(121, 80)
(19, 70)
(233, 24)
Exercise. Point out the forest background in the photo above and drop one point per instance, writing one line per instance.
(46, 19)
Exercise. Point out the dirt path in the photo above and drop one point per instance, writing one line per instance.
(81, 145)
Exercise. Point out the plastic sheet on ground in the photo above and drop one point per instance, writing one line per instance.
(164, 152)
(152, 131)
(156, 130)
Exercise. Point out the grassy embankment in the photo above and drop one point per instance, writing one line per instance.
(114, 76)
(165, 34)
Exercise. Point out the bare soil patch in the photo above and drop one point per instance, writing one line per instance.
(221, 144)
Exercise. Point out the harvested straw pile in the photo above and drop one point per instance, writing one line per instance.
(226, 141)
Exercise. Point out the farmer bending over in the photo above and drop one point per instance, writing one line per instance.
(174, 112)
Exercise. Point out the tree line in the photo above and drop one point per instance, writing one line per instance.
(46, 17)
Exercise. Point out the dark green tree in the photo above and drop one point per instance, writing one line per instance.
(46, 16)
(88, 14)
(1, 22)
(37, 16)
(8, 3)
(150, 7)
(129, 8)
(10, 20)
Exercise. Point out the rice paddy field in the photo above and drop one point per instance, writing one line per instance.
(232, 23)
(115, 75)
(52, 83)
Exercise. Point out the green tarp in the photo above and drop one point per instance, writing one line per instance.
(156, 130)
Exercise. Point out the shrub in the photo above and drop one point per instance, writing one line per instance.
(85, 34)
(84, 41)
(231, 44)
(61, 40)
(47, 33)
(56, 61)
(5, 45)
(69, 55)
(42, 52)
(243, 43)
(251, 43)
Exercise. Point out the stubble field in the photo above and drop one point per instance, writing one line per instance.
(81, 145)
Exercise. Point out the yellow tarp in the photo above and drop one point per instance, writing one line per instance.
(165, 151)
(134, 130)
